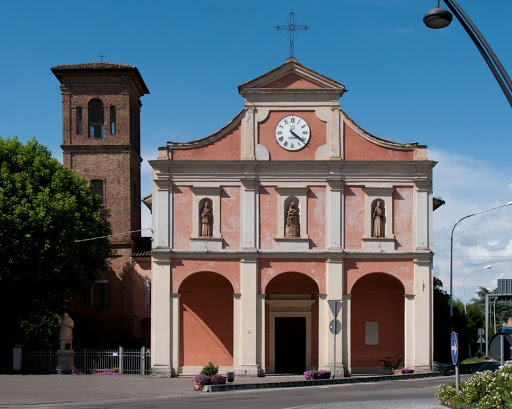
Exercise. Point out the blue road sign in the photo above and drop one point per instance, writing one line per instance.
(454, 346)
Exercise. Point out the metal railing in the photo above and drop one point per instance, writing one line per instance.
(123, 361)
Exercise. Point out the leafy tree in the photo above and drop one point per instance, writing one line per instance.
(443, 327)
(44, 209)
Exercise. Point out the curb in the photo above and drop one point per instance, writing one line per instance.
(317, 382)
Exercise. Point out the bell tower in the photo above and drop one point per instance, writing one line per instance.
(101, 141)
(101, 135)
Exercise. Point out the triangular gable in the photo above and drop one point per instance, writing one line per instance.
(292, 81)
(291, 75)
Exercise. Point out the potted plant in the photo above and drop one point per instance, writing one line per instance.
(314, 374)
(208, 376)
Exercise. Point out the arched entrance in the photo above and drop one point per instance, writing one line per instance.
(291, 318)
(206, 320)
(377, 320)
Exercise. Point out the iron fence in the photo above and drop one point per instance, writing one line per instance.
(123, 361)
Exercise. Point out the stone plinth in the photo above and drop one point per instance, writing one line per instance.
(65, 360)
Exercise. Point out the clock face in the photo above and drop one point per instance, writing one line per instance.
(292, 133)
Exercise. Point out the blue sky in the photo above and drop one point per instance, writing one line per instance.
(406, 83)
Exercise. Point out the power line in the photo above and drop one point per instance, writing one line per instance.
(112, 235)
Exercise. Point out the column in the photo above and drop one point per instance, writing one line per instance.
(161, 315)
(248, 337)
(334, 284)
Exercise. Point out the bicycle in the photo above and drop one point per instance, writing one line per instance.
(384, 367)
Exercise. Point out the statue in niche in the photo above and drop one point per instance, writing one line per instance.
(378, 220)
(292, 222)
(66, 332)
(206, 220)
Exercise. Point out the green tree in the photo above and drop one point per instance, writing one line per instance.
(443, 327)
(44, 209)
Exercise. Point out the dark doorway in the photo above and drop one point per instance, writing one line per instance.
(290, 344)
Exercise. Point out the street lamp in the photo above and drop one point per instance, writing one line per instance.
(464, 289)
(451, 252)
(440, 18)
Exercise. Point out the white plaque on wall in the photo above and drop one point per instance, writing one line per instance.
(371, 333)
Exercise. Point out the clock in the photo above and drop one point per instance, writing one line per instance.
(292, 133)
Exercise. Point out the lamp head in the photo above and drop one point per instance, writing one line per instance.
(437, 18)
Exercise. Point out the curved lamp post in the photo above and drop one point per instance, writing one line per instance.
(464, 289)
(440, 18)
(451, 252)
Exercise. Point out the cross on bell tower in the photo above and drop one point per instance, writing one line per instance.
(291, 27)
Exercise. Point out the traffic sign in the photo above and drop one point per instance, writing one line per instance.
(335, 307)
(454, 347)
(335, 326)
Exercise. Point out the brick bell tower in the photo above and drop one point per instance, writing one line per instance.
(101, 141)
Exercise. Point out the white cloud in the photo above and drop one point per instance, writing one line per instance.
(470, 185)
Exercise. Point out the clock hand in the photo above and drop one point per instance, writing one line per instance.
(298, 137)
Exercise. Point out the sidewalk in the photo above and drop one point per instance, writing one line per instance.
(25, 390)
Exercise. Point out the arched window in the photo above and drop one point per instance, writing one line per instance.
(113, 120)
(96, 119)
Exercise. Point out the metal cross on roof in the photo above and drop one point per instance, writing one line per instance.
(291, 27)
(101, 57)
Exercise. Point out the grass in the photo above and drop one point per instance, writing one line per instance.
(475, 360)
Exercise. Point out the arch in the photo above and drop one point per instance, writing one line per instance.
(96, 117)
(206, 320)
(291, 323)
(292, 283)
(377, 319)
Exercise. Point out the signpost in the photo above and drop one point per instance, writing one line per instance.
(335, 327)
(454, 349)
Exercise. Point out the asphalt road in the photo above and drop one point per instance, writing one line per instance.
(403, 394)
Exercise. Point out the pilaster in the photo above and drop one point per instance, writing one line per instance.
(162, 213)
(248, 320)
(248, 212)
(422, 215)
(423, 312)
(161, 316)
(334, 220)
(334, 284)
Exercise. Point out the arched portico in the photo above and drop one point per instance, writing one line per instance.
(377, 320)
(291, 317)
(206, 322)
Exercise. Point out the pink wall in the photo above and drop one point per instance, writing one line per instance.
(316, 216)
(182, 217)
(354, 216)
(358, 148)
(226, 148)
(227, 268)
(402, 269)
(230, 216)
(403, 217)
(268, 217)
(267, 136)
(377, 298)
(206, 333)
(270, 269)
(291, 81)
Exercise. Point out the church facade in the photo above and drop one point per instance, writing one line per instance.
(290, 239)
